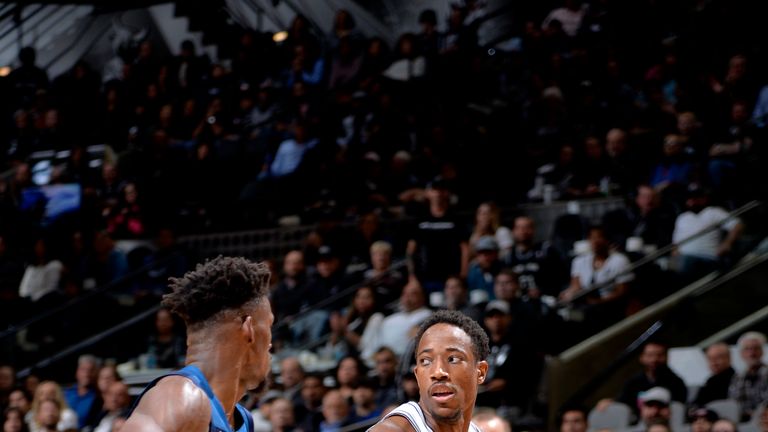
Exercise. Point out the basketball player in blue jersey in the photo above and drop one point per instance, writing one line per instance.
(225, 306)
(450, 364)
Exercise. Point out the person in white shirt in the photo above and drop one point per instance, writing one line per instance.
(700, 255)
(397, 329)
(42, 276)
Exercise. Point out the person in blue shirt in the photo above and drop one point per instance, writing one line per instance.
(82, 396)
(225, 306)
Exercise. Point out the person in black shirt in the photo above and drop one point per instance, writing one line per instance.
(540, 269)
(716, 386)
(438, 245)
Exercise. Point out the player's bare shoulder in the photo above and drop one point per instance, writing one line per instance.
(174, 404)
(393, 423)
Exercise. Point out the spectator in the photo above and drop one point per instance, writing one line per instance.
(27, 79)
(674, 171)
(108, 375)
(261, 414)
(348, 375)
(387, 281)
(656, 374)
(399, 326)
(281, 415)
(385, 373)
(438, 246)
(488, 223)
(361, 322)
(83, 396)
(117, 400)
(702, 419)
(65, 417)
(538, 265)
(7, 383)
(291, 376)
(750, 388)
(335, 410)
(654, 409)
(489, 421)
(106, 263)
(307, 414)
(42, 276)
(716, 386)
(645, 219)
(724, 425)
(20, 399)
(701, 255)
(604, 268)
(457, 297)
(485, 266)
(13, 421)
(364, 406)
(573, 419)
(289, 295)
(126, 220)
(47, 416)
(166, 347)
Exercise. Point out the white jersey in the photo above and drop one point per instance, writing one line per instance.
(412, 412)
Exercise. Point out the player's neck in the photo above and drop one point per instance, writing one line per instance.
(219, 364)
(460, 425)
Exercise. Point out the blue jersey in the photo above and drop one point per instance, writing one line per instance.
(219, 421)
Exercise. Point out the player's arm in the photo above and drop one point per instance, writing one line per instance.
(174, 404)
(395, 423)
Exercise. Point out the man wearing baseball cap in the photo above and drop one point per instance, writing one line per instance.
(654, 408)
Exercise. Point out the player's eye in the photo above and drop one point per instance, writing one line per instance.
(424, 361)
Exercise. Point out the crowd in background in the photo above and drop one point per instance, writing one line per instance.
(417, 145)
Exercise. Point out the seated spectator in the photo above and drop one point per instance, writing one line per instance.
(387, 281)
(399, 327)
(645, 219)
(725, 425)
(728, 154)
(169, 259)
(600, 267)
(291, 377)
(702, 419)
(126, 219)
(106, 263)
(65, 417)
(307, 414)
(345, 65)
(573, 419)
(349, 373)
(166, 347)
(539, 266)
(700, 255)
(20, 399)
(42, 275)
(117, 400)
(364, 402)
(554, 180)
(655, 374)
(716, 386)
(290, 154)
(489, 421)
(83, 396)
(750, 388)
(360, 323)
(336, 412)
(289, 295)
(623, 166)
(488, 223)
(281, 415)
(674, 171)
(654, 409)
(385, 369)
(410, 64)
(47, 416)
(457, 297)
(13, 421)
(591, 175)
(485, 266)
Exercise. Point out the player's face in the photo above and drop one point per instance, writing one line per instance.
(260, 358)
(447, 373)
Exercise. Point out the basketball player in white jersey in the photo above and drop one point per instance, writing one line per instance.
(450, 364)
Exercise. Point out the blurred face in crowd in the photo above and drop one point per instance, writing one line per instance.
(364, 396)
(724, 425)
(659, 427)
(364, 300)
(106, 377)
(17, 399)
(523, 231)
(645, 199)
(48, 390)
(48, 414)
(164, 322)
(86, 373)
(291, 372)
(686, 123)
(6, 378)
(506, 287)
(673, 145)
(117, 397)
(573, 421)
(327, 266)
(348, 372)
(616, 142)
(293, 265)
(497, 323)
(386, 364)
(381, 258)
(312, 391)
(651, 411)
(752, 352)
(592, 148)
(455, 293)
(701, 424)
(653, 357)
(412, 297)
(486, 258)
(281, 414)
(718, 358)
(598, 241)
(13, 422)
(335, 407)
(438, 196)
(485, 216)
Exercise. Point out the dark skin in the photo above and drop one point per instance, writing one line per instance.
(448, 375)
(232, 353)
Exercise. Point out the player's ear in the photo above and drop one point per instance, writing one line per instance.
(246, 328)
(482, 371)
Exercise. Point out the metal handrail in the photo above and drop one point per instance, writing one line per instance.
(659, 253)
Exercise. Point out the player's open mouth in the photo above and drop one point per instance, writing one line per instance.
(442, 393)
